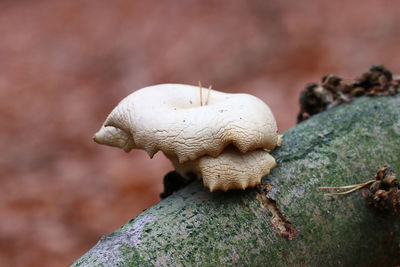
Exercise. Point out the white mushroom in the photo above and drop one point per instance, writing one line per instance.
(170, 118)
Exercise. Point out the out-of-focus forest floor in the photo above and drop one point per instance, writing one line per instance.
(65, 64)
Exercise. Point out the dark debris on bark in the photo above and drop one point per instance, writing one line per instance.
(333, 90)
(384, 193)
(173, 181)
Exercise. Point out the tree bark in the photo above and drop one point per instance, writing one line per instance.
(342, 146)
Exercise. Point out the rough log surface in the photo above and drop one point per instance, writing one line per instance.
(196, 227)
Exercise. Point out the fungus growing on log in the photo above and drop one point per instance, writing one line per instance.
(225, 142)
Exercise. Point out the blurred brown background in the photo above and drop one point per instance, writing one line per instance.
(65, 64)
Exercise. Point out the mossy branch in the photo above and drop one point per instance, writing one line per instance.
(287, 221)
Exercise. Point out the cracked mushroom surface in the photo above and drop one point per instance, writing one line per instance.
(224, 142)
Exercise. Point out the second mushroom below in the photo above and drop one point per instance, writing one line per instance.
(230, 170)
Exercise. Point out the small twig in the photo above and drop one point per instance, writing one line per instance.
(353, 187)
(208, 95)
(343, 193)
(340, 187)
(201, 94)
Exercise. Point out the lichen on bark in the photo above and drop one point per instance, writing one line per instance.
(344, 145)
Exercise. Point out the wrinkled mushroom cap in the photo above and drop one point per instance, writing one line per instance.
(168, 117)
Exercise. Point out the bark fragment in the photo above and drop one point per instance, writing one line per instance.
(279, 221)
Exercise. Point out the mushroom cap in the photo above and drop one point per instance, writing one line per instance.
(169, 117)
(230, 170)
